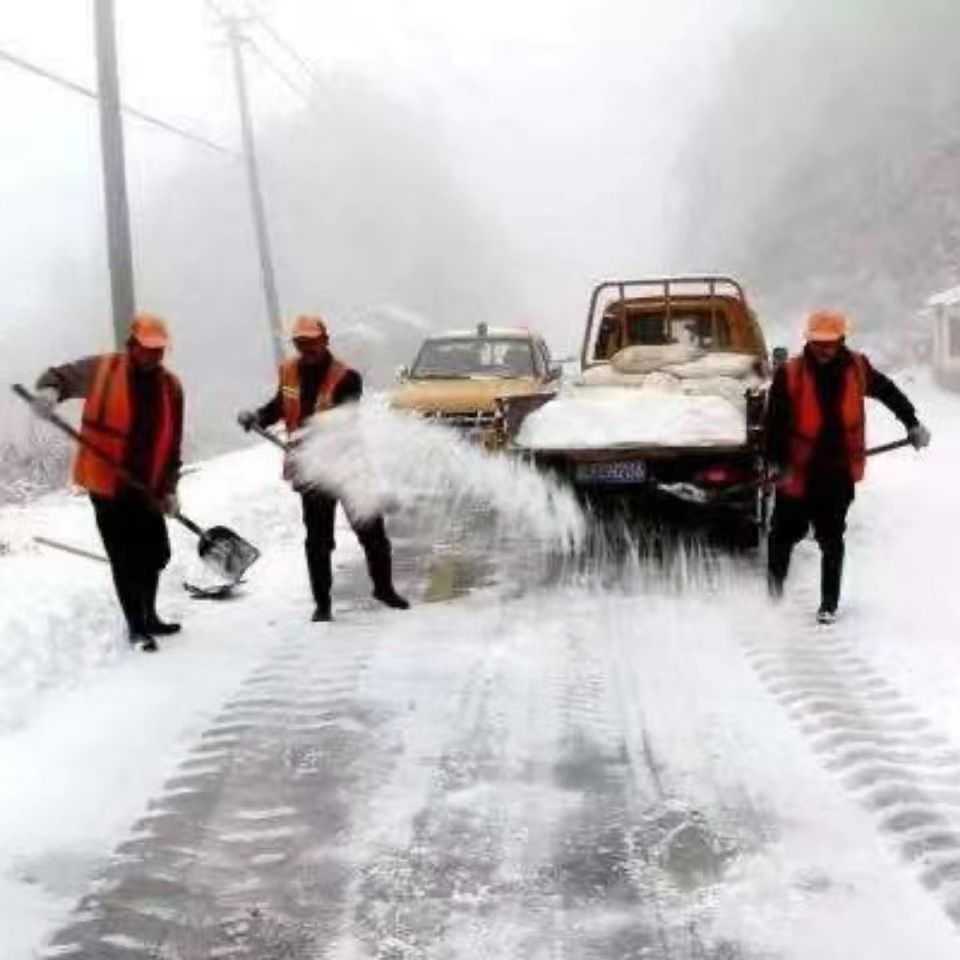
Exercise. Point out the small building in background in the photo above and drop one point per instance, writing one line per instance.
(942, 312)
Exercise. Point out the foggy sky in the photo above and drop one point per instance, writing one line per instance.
(466, 162)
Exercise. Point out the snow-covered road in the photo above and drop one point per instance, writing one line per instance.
(598, 768)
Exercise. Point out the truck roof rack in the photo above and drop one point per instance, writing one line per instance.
(667, 289)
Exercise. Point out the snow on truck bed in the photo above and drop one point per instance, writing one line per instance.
(692, 402)
(587, 417)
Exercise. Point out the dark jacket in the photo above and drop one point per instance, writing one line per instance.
(349, 389)
(829, 463)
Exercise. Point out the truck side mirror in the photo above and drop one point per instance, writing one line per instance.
(402, 373)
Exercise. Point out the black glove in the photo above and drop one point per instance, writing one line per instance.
(919, 436)
(44, 401)
(247, 419)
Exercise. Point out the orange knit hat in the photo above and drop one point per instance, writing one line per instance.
(150, 331)
(825, 326)
(308, 327)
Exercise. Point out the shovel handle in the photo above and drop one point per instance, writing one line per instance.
(893, 445)
(188, 523)
(21, 391)
(267, 435)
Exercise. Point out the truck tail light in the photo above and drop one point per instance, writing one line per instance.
(721, 475)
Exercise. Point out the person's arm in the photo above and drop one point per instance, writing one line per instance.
(882, 388)
(270, 412)
(71, 380)
(777, 420)
(350, 388)
(172, 478)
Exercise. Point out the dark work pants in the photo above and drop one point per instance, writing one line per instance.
(826, 512)
(319, 513)
(135, 538)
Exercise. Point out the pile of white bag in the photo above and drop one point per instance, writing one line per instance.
(679, 396)
(678, 368)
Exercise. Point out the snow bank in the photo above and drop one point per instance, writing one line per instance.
(588, 417)
(376, 459)
(59, 619)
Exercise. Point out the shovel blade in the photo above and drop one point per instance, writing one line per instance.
(227, 552)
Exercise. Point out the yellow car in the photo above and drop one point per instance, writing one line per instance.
(458, 376)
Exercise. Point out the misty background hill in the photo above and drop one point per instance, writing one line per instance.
(496, 173)
(824, 168)
(369, 225)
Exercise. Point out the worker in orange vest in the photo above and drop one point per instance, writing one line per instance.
(815, 436)
(311, 383)
(133, 413)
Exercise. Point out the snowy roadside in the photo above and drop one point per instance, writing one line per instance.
(60, 619)
(902, 574)
(88, 730)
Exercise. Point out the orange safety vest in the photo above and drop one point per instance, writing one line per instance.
(107, 422)
(808, 421)
(293, 416)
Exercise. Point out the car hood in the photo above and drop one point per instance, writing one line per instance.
(458, 396)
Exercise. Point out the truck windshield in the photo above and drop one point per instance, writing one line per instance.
(481, 357)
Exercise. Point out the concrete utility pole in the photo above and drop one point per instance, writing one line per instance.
(256, 195)
(114, 173)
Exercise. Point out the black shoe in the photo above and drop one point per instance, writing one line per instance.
(160, 629)
(143, 642)
(322, 615)
(826, 616)
(391, 598)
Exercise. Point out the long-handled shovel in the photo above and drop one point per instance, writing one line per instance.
(272, 437)
(220, 548)
(893, 445)
(286, 446)
(71, 549)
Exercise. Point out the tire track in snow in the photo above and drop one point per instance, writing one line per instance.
(631, 859)
(883, 749)
(240, 857)
(443, 890)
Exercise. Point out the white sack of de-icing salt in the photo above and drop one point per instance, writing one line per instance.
(715, 365)
(604, 375)
(593, 417)
(645, 358)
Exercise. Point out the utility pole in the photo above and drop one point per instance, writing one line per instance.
(114, 172)
(256, 195)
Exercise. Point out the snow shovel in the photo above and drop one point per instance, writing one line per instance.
(894, 445)
(286, 447)
(220, 548)
(70, 548)
(272, 437)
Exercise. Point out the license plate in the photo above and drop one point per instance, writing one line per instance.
(613, 471)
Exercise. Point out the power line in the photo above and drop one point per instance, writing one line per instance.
(92, 94)
(278, 71)
(233, 22)
(285, 45)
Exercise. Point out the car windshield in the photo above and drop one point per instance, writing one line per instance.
(480, 357)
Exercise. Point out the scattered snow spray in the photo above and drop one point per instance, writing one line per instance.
(378, 460)
(447, 491)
